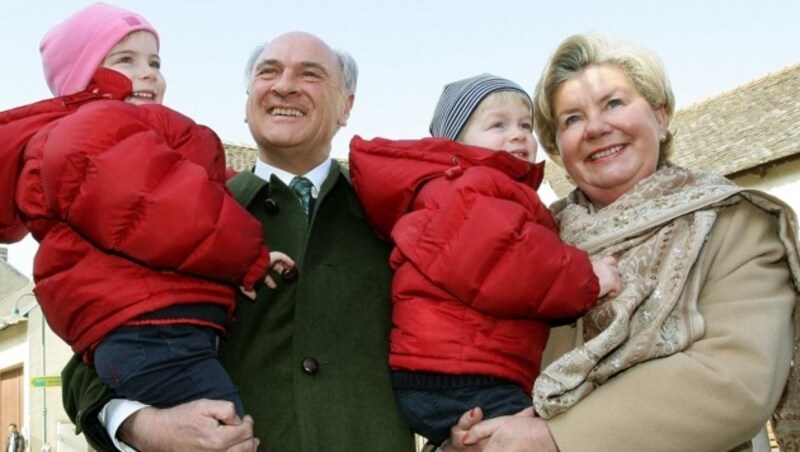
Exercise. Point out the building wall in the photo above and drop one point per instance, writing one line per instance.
(47, 355)
(782, 181)
(30, 345)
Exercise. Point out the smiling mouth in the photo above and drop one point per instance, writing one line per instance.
(286, 112)
(519, 154)
(606, 153)
(144, 95)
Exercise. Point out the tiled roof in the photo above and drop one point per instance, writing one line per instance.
(737, 130)
(239, 157)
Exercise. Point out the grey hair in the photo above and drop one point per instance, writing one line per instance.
(347, 66)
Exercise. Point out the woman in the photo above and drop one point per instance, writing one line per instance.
(695, 351)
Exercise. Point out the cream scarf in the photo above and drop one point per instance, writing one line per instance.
(657, 231)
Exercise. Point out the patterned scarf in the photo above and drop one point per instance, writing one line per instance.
(657, 231)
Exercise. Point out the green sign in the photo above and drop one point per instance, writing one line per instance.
(43, 382)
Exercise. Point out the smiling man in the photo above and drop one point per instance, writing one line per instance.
(311, 357)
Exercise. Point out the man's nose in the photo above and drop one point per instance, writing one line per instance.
(285, 84)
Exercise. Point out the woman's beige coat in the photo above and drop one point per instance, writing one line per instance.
(728, 382)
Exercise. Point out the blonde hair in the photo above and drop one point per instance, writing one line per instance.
(491, 99)
(643, 68)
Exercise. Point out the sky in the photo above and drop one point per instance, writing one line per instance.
(407, 50)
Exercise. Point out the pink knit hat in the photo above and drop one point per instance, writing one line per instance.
(73, 50)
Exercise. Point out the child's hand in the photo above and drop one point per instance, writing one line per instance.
(279, 263)
(608, 275)
(283, 265)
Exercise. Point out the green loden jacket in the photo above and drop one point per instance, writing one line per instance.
(311, 357)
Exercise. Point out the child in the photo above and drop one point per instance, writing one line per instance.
(480, 274)
(141, 244)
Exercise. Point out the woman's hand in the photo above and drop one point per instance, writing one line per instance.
(520, 432)
(459, 432)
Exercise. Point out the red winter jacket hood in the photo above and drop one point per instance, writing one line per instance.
(480, 273)
(130, 208)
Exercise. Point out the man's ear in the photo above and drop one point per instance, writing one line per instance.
(348, 105)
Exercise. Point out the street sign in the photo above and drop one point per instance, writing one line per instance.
(43, 382)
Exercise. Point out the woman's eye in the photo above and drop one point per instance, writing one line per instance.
(572, 119)
(615, 103)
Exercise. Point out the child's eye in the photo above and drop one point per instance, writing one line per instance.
(498, 125)
(124, 60)
(156, 64)
(526, 126)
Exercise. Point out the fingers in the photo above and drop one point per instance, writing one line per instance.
(251, 294)
(250, 445)
(610, 260)
(527, 412)
(280, 261)
(270, 282)
(460, 433)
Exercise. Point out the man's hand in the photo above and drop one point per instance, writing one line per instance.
(207, 425)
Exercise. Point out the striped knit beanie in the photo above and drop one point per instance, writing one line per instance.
(459, 99)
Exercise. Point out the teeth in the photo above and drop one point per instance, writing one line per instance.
(286, 112)
(143, 95)
(605, 153)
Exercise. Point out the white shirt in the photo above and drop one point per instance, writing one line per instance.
(317, 175)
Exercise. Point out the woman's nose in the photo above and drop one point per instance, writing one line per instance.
(596, 126)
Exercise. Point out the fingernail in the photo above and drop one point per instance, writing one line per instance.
(465, 438)
(472, 413)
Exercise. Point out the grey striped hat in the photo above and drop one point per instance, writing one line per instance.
(459, 99)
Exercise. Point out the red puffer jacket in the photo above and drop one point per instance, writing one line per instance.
(130, 207)
(480, 273)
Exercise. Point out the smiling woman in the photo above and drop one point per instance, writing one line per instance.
(690, 247)
(606, 132)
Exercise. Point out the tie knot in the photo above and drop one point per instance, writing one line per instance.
(302, 187)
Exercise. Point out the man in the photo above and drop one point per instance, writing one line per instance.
(310, 357)
(15, 441)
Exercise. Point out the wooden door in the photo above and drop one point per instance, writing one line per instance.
(10, 401)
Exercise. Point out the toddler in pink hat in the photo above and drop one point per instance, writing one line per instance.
(142, 246)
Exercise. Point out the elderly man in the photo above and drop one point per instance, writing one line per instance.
(310, 358)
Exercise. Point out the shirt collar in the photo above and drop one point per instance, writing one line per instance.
(316, 176)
